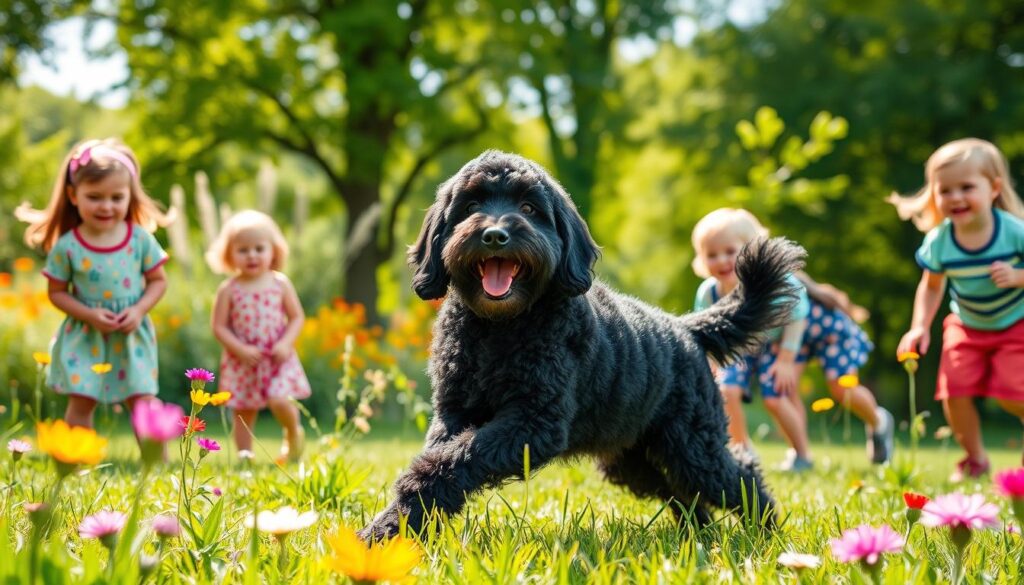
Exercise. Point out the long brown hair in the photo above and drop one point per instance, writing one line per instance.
(60, 216)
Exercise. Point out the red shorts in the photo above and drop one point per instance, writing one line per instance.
(981, 363)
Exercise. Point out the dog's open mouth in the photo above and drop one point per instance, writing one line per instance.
(496, 276)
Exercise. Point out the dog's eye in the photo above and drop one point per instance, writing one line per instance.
(472, 207)
(526, 208)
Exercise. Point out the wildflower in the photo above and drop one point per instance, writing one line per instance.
(961, 513)
(914, 503)
(282, 522)
(206, 446)
(18, 448)
(5, 279)
(42, 358)
(23, 264)
(200, 397)
(849, 381)
(70, 446)
(219, 398)
(156, 421)
(192, 424)
(943, 432)
(866, 544)
(104, 526)
(388, 561)
(101, 368)
(361, 424)
(1011, 485)
(199, 378)
(246, 455)
(365, 409)
(166, 526)
(799, 561)
(216, 491)
(909, 361)
(822, 405)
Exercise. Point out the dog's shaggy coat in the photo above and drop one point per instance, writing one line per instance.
(530, 350)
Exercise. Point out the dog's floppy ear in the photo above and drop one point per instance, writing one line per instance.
(430, 279)
(575, 271)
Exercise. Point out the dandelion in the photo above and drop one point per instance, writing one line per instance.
(101, 368)
(70, 446)
(220, 398)
(166, 526)
(103, 526)
(914, 503)
(909, 361)
(1011, 484)
(18, 448)
(192, 424)
(866, 544)
(849, 381)
(799, 561)
(389, 561)
(282, 522)
(41, 357)
(822, 405)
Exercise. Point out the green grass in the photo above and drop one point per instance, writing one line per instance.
(571, 527)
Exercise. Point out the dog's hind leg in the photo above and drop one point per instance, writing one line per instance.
(696, 460)
(633, 470)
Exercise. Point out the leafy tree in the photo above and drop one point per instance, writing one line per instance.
(23, 30)
(370, 93)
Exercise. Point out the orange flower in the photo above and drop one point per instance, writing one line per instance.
(5, 279)
(70, 445)
(24, 264)
(908, 355)
(219, 398)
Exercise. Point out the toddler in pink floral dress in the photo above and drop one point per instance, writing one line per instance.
(257, 317)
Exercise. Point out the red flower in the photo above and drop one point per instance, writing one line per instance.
(915, 501)
(195, 425)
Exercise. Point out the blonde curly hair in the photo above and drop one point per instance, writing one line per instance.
(246, 221)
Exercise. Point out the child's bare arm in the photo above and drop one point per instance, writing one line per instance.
(927, 299)
(156, 286)
(222, 329)
(102, 319)
(296, 316)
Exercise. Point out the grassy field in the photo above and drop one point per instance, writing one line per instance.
(563, 526)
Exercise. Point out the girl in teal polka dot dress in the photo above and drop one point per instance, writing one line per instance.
(105, 271)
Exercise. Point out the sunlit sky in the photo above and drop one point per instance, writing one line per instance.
(72, 72)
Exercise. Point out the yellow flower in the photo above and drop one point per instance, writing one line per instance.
(388, 561)
(101, 368)
(70, 445)
(822, 404)
(849, 381)
(909, 361)
(219, 398)
(200, 397)
(42, 358)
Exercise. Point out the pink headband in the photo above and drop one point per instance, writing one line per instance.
(85, 157)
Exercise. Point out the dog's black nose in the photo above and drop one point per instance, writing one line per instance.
(495, 237)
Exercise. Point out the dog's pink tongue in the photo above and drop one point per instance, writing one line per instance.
(497, 276)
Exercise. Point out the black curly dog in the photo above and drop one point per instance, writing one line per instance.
(530, 350)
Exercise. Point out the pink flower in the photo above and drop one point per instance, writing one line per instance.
(959, 510)
(1011, 483)
(208, 444)
(217, 491)
(155, 421)
(199, 375)
(866, 543)
(17, 447)
(166, 526)
(102, 524)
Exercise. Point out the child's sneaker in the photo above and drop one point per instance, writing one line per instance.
(882, 440)
(968, 468)
(795, 463)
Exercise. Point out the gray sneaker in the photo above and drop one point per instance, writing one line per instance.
(795, 463)
(882, 441)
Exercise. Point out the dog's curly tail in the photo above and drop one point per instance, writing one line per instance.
(762, 301)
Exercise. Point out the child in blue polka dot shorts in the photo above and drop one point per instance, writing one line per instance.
(818, 328)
